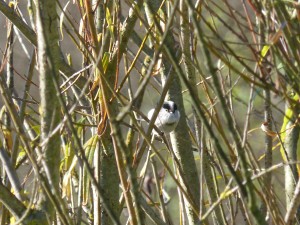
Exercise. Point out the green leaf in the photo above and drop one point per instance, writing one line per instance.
(61, 19)
(110, 25)
(264, 52)
(105, 61)
(89, 148)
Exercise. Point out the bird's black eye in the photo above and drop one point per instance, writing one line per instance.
(166, 106)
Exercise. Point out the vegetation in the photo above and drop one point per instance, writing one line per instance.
(78, 78)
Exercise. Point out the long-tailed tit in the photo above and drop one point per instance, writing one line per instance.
(167, 118)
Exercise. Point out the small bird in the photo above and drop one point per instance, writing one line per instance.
(168, 117)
